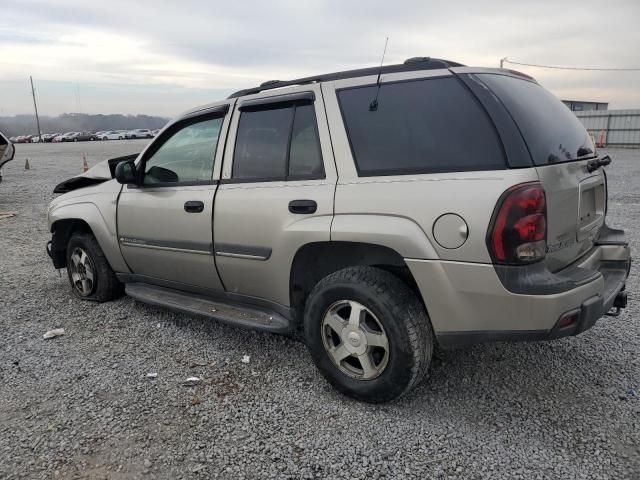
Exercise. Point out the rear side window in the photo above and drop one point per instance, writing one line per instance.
(277, 144)
(305, 158)
(552, 132)
(421, 126)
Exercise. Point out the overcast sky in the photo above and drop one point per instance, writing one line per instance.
(160, 58)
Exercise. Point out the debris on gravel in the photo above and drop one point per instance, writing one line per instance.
(82, 407)
(192, 382)
(57, 332)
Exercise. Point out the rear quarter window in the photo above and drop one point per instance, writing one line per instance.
(552, 132)
(421, 126)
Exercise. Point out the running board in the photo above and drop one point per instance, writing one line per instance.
(240, 315)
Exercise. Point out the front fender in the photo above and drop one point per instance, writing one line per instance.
(104, 230)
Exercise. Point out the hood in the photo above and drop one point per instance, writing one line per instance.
(99, 173)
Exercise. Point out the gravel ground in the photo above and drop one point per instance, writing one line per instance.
(81, 405)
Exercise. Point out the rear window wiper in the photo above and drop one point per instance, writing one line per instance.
(593, 165)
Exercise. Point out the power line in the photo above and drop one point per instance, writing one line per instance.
(556, 67)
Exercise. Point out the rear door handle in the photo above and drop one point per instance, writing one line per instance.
(303, 206)
(193, 206)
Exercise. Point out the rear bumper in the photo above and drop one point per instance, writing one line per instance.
(474, 303)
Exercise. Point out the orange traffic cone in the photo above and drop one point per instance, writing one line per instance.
(85, 165)
(26, 165)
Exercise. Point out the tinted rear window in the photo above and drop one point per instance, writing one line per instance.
(421, 126)
(552, 132)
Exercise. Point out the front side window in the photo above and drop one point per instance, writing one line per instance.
(278, 143)
(419, 126)
(187, 156)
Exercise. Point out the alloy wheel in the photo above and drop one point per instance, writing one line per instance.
(82, 272)
(355, 340)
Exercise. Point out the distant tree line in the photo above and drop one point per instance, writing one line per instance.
(71, 122)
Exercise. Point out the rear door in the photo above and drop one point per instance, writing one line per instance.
(560, 148)
(276, 192)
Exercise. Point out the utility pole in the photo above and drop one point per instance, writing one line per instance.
(502, 61)
(35, 107)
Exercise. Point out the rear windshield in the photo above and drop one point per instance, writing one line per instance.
(419, 126)
(552, 132)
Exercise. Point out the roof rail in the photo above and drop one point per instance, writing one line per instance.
(410, 65)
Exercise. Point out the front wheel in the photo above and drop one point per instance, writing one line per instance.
(368, 333)
(90, 274)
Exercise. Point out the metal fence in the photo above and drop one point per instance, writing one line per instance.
(613, 128)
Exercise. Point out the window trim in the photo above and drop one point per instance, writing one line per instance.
(418, 171)
(198, 117)
(304, 98)
(256, 103)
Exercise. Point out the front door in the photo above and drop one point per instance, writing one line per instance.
(276, 192)
(165, 224)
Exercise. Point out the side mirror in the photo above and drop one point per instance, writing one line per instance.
(7, 150)
(126, 173)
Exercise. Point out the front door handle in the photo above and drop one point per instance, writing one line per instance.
(193, 206)
(303, 206)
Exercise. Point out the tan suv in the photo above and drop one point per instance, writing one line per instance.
(378, 212)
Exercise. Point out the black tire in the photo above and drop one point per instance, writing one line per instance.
(105, 285)
(402, 316)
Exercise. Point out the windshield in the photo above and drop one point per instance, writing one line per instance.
(552, 132)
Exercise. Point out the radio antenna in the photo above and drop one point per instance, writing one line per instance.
(373, 106)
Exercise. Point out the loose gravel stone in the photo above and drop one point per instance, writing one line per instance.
(81, 406)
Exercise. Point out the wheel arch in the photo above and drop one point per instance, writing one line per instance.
(314, 261)
(83, 217)
(61, 231)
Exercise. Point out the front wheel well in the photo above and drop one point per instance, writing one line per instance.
(315, 261)
(61, 233)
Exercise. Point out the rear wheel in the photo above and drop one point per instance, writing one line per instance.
(368, 333)
(90, 274)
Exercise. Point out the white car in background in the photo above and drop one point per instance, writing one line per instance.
(111, 135)
(65, 137)
(139, 133)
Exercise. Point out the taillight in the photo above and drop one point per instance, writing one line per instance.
(518, 232)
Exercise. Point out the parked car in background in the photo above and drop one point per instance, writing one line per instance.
(82, 137)
(7, 151)
(139, 133)
(36, 138)
(48, 137)
(155, 132)
(63, 137)
(110, 135)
